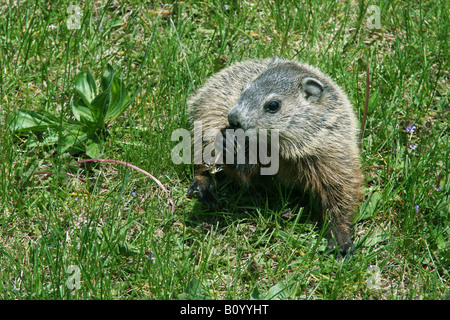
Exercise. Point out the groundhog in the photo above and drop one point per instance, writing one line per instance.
(317, 135)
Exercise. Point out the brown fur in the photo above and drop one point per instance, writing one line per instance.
(317, 134)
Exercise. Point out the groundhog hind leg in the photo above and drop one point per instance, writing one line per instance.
(338, 205)
(339, 239)
(337, 214)
(203, 184)
(338, 189)
(339, 202)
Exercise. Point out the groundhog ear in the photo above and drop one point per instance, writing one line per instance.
(312, 88)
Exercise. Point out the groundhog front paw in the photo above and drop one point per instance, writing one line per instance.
(206, 193)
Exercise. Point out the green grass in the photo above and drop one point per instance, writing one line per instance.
(125, 242)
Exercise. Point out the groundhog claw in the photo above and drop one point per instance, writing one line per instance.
(206, 194)
(342, 252)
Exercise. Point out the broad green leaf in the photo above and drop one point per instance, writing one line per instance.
(127, 101)
(73, 139)
(371, 206)
(377, 235)
(28, 120)
(256, 295)
(99, 107)
(118, 96)
(277, 292)
(80, 110)
(93, 149)
(194, 291)
(107, 78)
(86, 87)
(50, 138)
(126, 249)
(440, 241)
(122, 105)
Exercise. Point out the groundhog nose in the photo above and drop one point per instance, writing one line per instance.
(233, 120)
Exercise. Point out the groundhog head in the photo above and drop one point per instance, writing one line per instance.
(289, 98)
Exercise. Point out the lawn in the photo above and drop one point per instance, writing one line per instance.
(96, 230)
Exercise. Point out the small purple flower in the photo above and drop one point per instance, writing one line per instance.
(413, 147)
(133, 193)
(439, 189)
(417, 208)
(410, 129)
(76, 198)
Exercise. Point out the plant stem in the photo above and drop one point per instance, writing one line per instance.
(135, 168)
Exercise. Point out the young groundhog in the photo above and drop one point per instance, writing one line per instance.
(317, 135)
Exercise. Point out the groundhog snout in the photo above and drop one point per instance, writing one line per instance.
(233, 120)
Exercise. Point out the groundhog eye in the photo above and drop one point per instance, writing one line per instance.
(273, 106)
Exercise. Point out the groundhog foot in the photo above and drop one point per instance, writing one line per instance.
(205, 191)
(343, 250)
